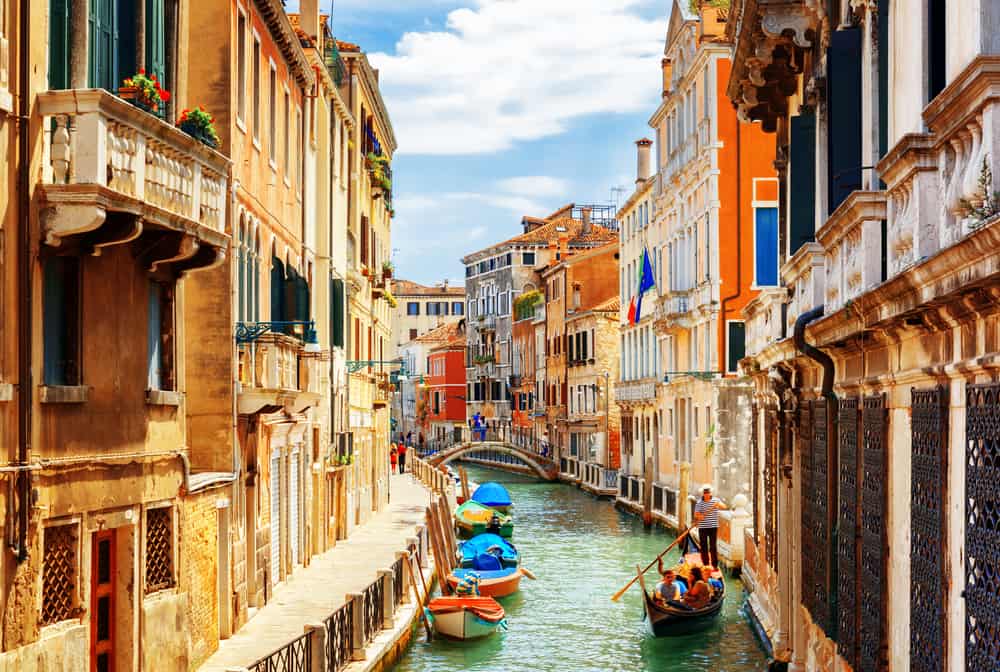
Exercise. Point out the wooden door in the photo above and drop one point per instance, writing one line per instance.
(102, 602)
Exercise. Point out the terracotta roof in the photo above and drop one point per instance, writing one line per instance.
(443, 335)
(347, 46)
(571, 228)
(409, 288)
(614, 304)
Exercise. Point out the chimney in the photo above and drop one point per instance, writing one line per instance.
(668, 69)
(643, 171)
(445, 284)
(563, 246)
(585, 216)
(309, 21)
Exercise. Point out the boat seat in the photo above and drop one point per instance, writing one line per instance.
(485, 562)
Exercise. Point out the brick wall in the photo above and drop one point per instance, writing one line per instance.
(198, 552)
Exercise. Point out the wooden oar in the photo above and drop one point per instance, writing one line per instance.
(617, 596)
(530, 575)
(416, 592)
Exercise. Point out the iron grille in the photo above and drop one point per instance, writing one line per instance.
(670, 502)
(339, 630)
(635, 490)
(657, 498)
(159, 549)
(848, 533)
(371, 611)
(816, 540)
(623, 486)
(928, 478)
(806, 538)
(296, 656)
(397, 581)
(982, 527)
(59, 574)
(872, 642)
(771, 490)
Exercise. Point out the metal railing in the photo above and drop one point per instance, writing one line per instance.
(296, 656)
(339, 629)
(397, 582)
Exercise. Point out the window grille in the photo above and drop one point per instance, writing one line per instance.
(159, 549)
(59, 574)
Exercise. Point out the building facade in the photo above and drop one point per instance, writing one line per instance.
(874, 388)
(422, 308)
(445, 389)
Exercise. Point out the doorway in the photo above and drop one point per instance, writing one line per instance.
(102, 606)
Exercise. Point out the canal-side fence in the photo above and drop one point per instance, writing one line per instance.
(437, 480)
(342, 637)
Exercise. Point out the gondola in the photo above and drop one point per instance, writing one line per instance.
(666, 621)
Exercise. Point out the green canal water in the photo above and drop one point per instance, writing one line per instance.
(583, 550)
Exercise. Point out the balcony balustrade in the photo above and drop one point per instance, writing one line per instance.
(673, 311)
(103, 154)
(804, 275)
(852, 239)
(635, 391)
(763, 314)
(275, 373)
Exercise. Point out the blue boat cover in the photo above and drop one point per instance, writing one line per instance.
(492, 494)
(484, 575)
(484, 562)
(482, 543)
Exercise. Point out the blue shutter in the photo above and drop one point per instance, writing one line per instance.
(766, 246)
(844, 108)
(154, 328)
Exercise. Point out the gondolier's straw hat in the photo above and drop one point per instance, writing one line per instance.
(707, 486)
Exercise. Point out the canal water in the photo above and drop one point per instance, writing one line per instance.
(583, 550)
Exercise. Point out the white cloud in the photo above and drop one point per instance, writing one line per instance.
(516, 70)
(536, 185)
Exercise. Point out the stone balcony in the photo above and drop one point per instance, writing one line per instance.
(112, 173)
(804, 276)
(276, 373)
(764, 319)
(636, 391)
(673, 311)
(852, 240)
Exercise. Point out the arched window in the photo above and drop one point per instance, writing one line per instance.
(277, 286)
(241, 255)
(255, 274)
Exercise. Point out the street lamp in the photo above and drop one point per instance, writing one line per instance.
(249, 332)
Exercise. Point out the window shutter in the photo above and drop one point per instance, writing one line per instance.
(301, 299)
(337, 313)
(154, 328)
(54, 324)
(802, 187)
(766, 246)
(59, 23)
(844, 128)
(241, 299)
(736, 345)
(156, 50)
(585, 351)
(256, 289)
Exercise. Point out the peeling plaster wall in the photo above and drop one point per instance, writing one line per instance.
(66, 650)
(166, 638)
(732, 439)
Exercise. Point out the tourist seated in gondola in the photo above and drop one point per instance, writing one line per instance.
(669, 590)
(713, 583)
(700, 593)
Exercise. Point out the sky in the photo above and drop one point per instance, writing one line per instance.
(504, 108)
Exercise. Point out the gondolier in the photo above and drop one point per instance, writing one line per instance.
(706, 515)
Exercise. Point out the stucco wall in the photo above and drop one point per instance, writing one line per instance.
(199, 532)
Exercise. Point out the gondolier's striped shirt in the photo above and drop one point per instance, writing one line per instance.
(711, 518)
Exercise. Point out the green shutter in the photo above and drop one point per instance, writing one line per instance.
(277, 290)
(802, 187)
(301, 299)
(241, 298)
(102, 45)
(337, 313)
(883, 77)
(844, 108)
(59, 23)
(256, 289)
(156, 41)
(60, 314)
(736, 344)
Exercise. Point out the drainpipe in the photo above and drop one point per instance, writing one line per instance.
(723, 335)
(832, 445)
(26, 384)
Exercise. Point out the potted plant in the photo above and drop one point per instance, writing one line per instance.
(389, 298)
(387, 269)
(365, 272)
(144, 91)
(200, 125)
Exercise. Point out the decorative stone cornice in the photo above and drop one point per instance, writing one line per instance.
(857, 207)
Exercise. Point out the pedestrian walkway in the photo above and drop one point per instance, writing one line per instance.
(314, 592)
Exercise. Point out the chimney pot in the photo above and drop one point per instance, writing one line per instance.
(643, 169)
(668, 69)
(585, 215)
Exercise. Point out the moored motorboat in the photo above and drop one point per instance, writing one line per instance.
(493, 495)
(668, 621)
(492, 583)
(465, 617)
(472, 518)
(488, 551)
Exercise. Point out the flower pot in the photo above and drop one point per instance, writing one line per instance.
(199, 134)
(132, 95)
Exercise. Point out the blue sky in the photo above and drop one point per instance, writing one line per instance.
(504, 108)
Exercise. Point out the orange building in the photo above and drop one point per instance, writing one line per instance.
(445, 389)
(714, 245)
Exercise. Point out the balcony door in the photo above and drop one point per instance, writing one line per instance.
(102, 609)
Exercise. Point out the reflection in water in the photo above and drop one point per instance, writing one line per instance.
(582, 550)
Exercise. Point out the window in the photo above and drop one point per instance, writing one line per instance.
(766, 247)
(159, 549)
(160, 336)
(255, 76)
(111, 43)
(528, 258)
(60, 565)
(286, 154)
(412, 308)
(337, 312)
(59, 43)
(156, 42)
(61, 320)
(457, 308)
(413, 334)
(735, 345)
(272, 90)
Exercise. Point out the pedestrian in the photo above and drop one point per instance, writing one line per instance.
(409, 438)
(393, 456)
(706, 515)
(402, 458)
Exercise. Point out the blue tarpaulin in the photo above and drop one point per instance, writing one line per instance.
(492, 494)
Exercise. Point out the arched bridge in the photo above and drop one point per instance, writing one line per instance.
(542, 467)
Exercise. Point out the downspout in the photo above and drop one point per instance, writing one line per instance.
(26, 384)
(723, 335)
(832, 446)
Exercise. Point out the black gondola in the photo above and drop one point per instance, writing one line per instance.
(666, 621)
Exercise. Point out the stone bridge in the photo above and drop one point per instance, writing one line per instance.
(542, 467)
